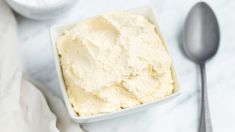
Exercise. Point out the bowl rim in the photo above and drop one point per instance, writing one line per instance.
(103, 116)
(48, 7)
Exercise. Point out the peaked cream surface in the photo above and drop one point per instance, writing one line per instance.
(114, 61)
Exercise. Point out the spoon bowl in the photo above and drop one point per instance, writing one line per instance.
(201, 33)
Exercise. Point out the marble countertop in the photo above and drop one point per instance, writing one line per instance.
(178, 115)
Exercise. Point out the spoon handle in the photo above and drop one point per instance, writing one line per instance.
(205, 124)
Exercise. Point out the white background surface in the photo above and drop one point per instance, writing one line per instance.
(178, 115)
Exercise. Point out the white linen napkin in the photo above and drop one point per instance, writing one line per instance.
(23, 108)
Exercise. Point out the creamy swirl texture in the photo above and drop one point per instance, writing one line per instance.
(114, 61)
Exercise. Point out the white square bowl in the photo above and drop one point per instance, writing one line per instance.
(57, 31)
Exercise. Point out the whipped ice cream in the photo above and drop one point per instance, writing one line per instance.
(114, 61)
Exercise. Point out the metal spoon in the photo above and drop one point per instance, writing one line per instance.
(201, 38)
